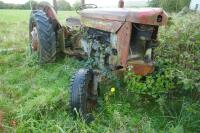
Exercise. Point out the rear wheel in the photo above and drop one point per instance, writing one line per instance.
(82, 99)
(42, 37)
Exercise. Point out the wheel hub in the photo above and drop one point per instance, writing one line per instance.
(35, 39)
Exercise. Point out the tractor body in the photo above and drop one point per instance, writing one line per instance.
(109, 38)
(126, 37)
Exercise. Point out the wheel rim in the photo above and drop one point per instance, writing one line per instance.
(42, 37)
(34, 39)
(90, 101)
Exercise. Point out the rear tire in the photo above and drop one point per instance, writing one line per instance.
(81, 99)
(46, 48)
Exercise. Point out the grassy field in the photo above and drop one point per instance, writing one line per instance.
(34, 98)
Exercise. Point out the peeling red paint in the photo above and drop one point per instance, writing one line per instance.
(138, 15)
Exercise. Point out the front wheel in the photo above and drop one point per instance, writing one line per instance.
(82, 99)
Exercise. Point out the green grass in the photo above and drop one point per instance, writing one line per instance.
(16, 35)
(36, 97)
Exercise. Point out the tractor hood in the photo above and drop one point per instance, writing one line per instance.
(98, 17)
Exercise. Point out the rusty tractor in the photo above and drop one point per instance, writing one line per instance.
(109, 38)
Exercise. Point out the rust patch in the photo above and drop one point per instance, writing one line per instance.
(135, 15)
(149, 16)
(116, 14)
(142, 69)
(123, 42)
(106, 25)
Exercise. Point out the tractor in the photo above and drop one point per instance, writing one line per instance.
(109, 39)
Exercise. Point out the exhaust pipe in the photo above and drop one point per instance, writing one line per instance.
(55, 6)
(121, 4)
(82, 2)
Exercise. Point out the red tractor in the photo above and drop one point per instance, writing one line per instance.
(110, 39)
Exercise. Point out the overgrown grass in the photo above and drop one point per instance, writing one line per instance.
(34, 98)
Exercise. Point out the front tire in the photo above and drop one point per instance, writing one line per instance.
(82, 100)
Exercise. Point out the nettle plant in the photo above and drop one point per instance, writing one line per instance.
(179, 49)
(177, 60)
(160, 82)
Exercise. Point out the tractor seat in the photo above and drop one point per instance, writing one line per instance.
(73, 22)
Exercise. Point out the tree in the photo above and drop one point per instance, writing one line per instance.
(170, 5)
(63, 5)
(154, 3)
(2, 5)
(16, 6)
(77, 4)
(29, 3)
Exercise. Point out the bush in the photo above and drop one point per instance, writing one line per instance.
(175, 84)
(177, 58)
(76, 5)
(180, 45)
(170, 5)
(63, 5)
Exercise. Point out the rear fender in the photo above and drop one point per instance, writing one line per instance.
(49, 10)
(51, 13)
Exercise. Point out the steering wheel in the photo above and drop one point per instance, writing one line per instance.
(85, 6)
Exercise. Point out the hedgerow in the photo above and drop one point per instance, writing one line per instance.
(175, 84)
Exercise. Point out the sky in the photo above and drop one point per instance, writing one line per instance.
(97, 2)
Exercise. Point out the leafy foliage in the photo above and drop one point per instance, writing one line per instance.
(10, 6)
(34, 98)
(28, 4)
(179, 49)
(158, 83)
(176, 80)
(177, 59)
(170, 5)
(63, 5)
(77, 4)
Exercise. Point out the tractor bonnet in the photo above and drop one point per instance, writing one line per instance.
(111, 19)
